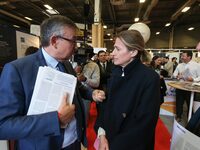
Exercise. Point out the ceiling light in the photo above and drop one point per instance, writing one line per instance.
(28, 18)
(142, 1)
(185, 9)
(108, 34)
(47, 6)
(136, 19)
(191, 28)
(157, 33)
(16, 26)
(105, 27)
(52, 11)
(167, 24)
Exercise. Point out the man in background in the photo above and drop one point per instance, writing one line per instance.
(188, 70)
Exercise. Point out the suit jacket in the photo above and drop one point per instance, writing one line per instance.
(132, 107)
(104, 75)
(35, 132)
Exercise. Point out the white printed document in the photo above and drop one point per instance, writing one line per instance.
(182, 139)
(49, 89)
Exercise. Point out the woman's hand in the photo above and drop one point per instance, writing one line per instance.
(103, 143)
(98, 95)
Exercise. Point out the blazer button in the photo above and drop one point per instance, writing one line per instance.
(124, 115)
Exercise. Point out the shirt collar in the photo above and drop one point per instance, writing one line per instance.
(51, 62)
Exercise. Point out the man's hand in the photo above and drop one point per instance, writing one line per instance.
(66, 111)
(81, 77)
(189, 79)
(98, 95)
(103, 143)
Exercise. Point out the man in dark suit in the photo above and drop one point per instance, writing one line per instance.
(105, 68)
(46, 131)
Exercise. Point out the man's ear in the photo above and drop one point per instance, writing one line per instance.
(53, 41)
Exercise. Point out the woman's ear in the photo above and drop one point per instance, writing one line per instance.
(134, 53)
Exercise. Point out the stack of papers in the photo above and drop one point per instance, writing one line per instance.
(196, 83)
(49, 89)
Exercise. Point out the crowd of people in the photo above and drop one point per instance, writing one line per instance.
(127, 101)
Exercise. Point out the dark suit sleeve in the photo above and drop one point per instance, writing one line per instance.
(138, 128)
(14, 103)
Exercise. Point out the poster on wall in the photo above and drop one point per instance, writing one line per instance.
(25, 40)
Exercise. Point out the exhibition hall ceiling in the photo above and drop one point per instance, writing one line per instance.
(155, 13)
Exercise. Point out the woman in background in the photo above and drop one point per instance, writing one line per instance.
(132, 107)
(156, 65)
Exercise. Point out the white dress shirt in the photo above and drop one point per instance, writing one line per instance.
(70, 134)
(191, 69)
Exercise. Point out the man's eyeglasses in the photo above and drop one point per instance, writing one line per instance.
(69, 40)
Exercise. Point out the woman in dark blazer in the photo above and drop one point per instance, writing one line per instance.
(132, 107)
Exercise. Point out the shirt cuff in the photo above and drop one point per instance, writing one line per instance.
(196, 79)
(101, 131)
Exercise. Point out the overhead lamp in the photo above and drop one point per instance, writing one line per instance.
(136, 19)
(52, 11)
(47, 6)
(105, 27)
(167, 24)
(191, 28)
(108, 34)
(157, 33)
(16, 26)
(185, 9)
(142, 1)
(28, 18)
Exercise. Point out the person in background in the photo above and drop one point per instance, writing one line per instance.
(175, 64)
(108, 57)
(132, 107)
(198, 47)
(168, 66)
(155, 65)
(188, 70)
(90, 77)
(63, 129)
(105, 68)
(146, 58)
(31, 50)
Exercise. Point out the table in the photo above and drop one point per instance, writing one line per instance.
(187, 86)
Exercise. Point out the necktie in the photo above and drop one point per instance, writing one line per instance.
(104, 66)
(61, 67)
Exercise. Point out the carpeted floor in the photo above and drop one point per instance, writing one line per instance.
(162, 141)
